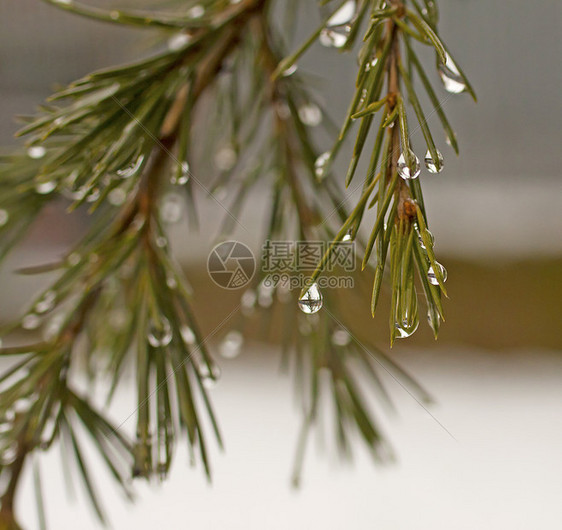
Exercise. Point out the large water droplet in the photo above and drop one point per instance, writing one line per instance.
(231, 345)
(320, 165)
(408, 172)
(209, 377)
(46, 303)
(451, 77)
(432, 277)
(4, 216)
(160, 332)
(310, 114)
(36, 151)
(405, 329)
(311, 301)
(434, 166)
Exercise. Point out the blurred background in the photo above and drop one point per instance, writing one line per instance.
(496, 371)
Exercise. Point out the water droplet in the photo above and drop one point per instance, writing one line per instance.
(341, 337)
(181, 179)
(432, 165)
(209, 377)
(114, 15)
(226, 158)
(409, 324)
(187, 335)
(44, 188)
(178, 41)
(248, 302)
(46, 303)
(171, 282)
(431, 238)
(30, 321)
(344, 15)
(320, 164)
(117, 196)
(160, 332)
(371, 64)
(73, 259)
(53, 327)
(330, 38)
(432, 277)
(265, 294)
(4, 216)
(311, 301)
(131, 169)
(231, 345)
(161, 242)
(196, 12)
(171, 209)
(290, 71)
(348, 236)
(310, 114)
(36, 151)
(94, 195)
(451, 77)
(283, 110)
(407, 172)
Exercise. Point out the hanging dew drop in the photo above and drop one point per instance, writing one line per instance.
(320, 165)
(160, 333)
(46, 303)
(171, 210)
(117, 197)
(408, 172)
(451, 77)
(341, 337)
(187, 335)
(330, 38)
(290, 71)
(404, 330)
(344, 15)
(432, 277)
(196, 11)
(178, 41)
(434, 166)
(231, 346)
(132, 169)
(36, 152)
(311, 302)
(226, 158)
(310, 115)
(44, 188)
(430, 236)
(30, 321)
(4, 216)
